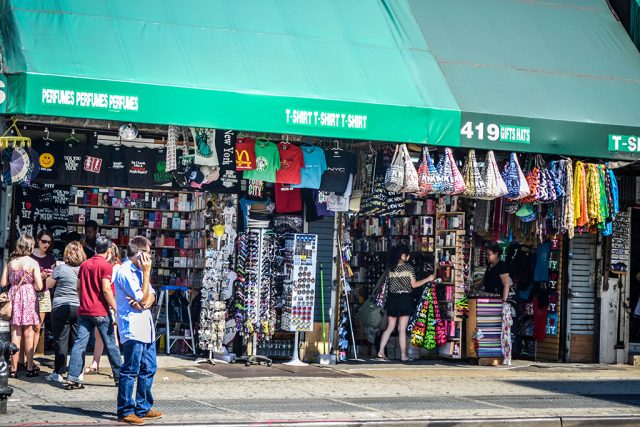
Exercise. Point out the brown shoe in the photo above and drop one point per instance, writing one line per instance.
(132, 419)
(152, 415)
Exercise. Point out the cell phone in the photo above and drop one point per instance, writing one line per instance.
(48, 271)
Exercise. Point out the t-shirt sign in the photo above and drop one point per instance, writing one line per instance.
(340, 164)
(50, 153)
(267, 162)
(229, 180)
(290, 163)
(117, 171)
(96, 161)
(315, 164)
(245, 154)
(139, 164)
(71, 171)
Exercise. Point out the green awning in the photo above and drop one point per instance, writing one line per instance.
(346, 69)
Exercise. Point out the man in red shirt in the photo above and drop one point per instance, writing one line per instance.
(94, 292)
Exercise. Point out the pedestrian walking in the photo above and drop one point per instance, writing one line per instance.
(135, 296)
(64, 315)
(95, 295)
(23, 274)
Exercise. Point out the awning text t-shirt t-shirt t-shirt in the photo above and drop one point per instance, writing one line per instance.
(267, 162)
(340, 164)
(71, 171)
(139, 164)
(95, 164)
(245, 154)
(290, 164)
(50, 153)
(315, 164)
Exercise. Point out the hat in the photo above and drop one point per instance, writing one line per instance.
(525, 210)
(21, 166)
(195, 175)
(258, 207)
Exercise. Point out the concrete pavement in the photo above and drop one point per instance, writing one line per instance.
(423, 392)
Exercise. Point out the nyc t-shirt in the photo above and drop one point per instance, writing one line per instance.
(229, 180)
(95, 164)
(71, 171)
(90, 276)
(50, 153)
(315, 164)
(267, 162)
(291, 162)
(139, 164)
(161, 178)
(245, 154)
(340, 164)
(287, 199)
(117, 171)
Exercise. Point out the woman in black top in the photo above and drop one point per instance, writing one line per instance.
(496, 277)
(400, 281)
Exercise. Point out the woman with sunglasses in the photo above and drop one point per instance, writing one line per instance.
(47, 262)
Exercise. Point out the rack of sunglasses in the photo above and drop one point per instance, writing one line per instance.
(300, 282)
(212, 313)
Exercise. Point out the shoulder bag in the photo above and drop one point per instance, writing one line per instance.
(370, 314)
(394, 178)
(6, 305)
(411, 182)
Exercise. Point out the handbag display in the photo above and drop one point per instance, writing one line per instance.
(435, 179)
(475, 185)
(517, 186)
(6, 305)
(492, 178)
(394, 177)
(454, 182)
(411, 183)
(423, 175)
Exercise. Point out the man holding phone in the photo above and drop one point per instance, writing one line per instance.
(134, 298)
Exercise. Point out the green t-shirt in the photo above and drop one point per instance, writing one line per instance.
(267, 162)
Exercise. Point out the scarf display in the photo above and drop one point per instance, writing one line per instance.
(505, 341)
(425, 326)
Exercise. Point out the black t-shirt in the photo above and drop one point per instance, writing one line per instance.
(229, 180)
(50, 153)
(340, 164)
(384, 156)
(71, 170)
(117, 171)
(161, 178)
(492, 280)
(96, 165)
(139, 164)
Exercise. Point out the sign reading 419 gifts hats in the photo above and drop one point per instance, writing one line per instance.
(229, 180)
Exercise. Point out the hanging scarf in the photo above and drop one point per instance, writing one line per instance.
(505, 341)
(441, 335)
(614, 194)
(604, 206)
(569, 220)
(580, 195)
(593, 196)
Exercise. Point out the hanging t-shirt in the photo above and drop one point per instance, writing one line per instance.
(340, 164)
(50, 153)
(95, 164)
(267, 162)
(245, 154)
(384, 156)
(117, 171)
(340, 203)
(291, 162)
(229, 179)
(71, 171)
(315, 164)
(541, 273)
(161, 178)
(139, 166)
(287, 199)
(204, 140)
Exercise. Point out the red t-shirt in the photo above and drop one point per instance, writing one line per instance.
(287, 199)
(245, 154)
(90, 275)
(291, 161)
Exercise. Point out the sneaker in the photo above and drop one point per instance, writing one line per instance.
(80, 378)
(54, 378)
(132, 419)
(152, 415)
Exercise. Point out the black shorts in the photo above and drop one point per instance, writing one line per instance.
(399, 305)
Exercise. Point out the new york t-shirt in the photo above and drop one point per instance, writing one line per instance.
(95, 164)
(139, 164)
(117, 171)
(339, 165)
(290, 164)
(71, 171)
(50, 158)
(245, 154)
(315, 164)
(267, 162)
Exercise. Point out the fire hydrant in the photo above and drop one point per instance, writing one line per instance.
(7, 349)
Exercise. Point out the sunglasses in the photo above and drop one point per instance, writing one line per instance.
(45, 242)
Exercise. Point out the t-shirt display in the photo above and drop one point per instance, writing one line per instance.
(117, 172)
(50, 158)
(90, 276)
(340, 203)
(245, 154)
(65, 290)
(267, 162)
(95, 164)
(315, 164)
(204, 140)
(139, 166)
(291, 162)
(229, 179)
(71, 171)
(340, 164)
(161, 178)
(287, 199)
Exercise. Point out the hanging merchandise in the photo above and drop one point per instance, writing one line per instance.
(533, 181)
(410, 183)
(172, 145)
(425, 326)
(340, 164)
(267, 162)
(505, 341)
(492, 179)
(315, 164)
(580, 195)
(95, 163)
(517, 186)
(394, 177)
(569, 219)
(424, 186)
(245, 154)
(435, 178)
(205, 150)
(212, 313)
(300, 281)
(291, 162)
(228, 181)
(243, 262)
(476, 187)
(451, 176)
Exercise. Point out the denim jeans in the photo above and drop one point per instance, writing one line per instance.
(86, 324)
(140, 363)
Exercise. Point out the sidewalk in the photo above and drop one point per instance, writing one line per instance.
(348, 394)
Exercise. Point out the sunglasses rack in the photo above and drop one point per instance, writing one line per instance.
(212, 313)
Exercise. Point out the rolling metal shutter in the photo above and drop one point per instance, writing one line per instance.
(325, 230)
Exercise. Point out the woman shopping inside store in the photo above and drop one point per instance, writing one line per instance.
(401, 280)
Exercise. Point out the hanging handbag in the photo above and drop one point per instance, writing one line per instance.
(435, 179)
(411, 182)
(6, 305)
(533, 180)
(394, 177)
(370, 314)
(475, 185)
(457, 179)
(423, 175)
(514, 179)
(492, 178)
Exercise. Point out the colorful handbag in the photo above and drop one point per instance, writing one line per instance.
(394, 177)
(423, 175)
(514, 178)
(411, 183)
(475, 185)
(451, 176)
(492, 178)
(435, 179)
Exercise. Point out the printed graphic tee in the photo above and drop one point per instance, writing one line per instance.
(71, 171)
(245, 154)
(117, 171)
(229, 180)
(267, 162)
(139, 164)
(161, 178)
(95, 165)
(315, 164)
(340, 164)
(287, 199)
(291, 162)
(50, 153)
